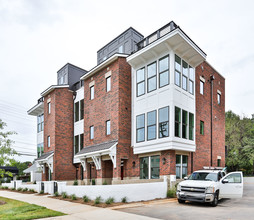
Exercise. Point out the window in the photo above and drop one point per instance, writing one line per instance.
(76, 144)
(151, 77)
(150, 167)
(191, 126)
(39, 150)
(218, 98)
(184, 124)
(191, 80)
(181, 166)
(140, 124)
(201, 87)
(141, 82)
(40, 123)
(108, 127)
(202, 127)
(234, 178)
(163, 122)
(151, 125)
(144, 168)
(76, 111)
(218, 162)
(164, 71)
(108, 84)
(91, 92)
(49, 108)
(81, 109)
(155, 167)
(177, 121)
(81, 141)
(91, 132)
(48, 141)
(185, 75)
(177, 70)
(120, 49)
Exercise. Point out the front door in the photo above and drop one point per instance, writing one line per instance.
(231, 185)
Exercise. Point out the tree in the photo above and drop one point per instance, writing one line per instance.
(240, 143)
(6, 152)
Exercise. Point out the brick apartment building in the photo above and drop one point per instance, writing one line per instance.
(152, 107)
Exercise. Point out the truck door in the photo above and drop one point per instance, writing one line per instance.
(231, 185)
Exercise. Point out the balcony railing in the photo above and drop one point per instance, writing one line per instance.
(156, 35)
(40, 100)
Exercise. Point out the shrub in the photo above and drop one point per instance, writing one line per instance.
(75, 183)
(31, 190)
(56, 194)
(24, 189)
(41, 192)
(104, 183)
(19, 189)
(13, 188)
(109, 201)
(171, 193)
(6, 187)
(93, 181)
(97, 200)
(86, 199)
(64, 195)
(73, 197)
(124, 199)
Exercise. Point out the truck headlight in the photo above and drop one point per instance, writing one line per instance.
(178, 187)
(210, 189)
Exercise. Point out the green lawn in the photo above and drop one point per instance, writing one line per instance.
(14, 209)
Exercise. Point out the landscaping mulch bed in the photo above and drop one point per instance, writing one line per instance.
(91, 202)
(2, 202)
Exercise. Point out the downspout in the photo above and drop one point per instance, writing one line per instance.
(74, 97)
(211, 81)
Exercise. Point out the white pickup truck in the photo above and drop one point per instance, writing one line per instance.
(210, 185)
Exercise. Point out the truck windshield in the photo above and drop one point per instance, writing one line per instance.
(203, 176)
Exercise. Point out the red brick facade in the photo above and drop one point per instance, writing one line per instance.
(202, 156)
(114, 105)
(59, 126)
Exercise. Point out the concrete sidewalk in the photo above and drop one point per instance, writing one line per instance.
(73, 210)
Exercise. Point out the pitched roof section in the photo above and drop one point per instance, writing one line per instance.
(97, 147)
(45, 155)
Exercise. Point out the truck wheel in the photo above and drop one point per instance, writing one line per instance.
(215, 200)
(181, 201)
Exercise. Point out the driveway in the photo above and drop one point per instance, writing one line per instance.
(226, 209)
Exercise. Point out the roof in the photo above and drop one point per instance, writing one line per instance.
(10, 169)
(104, 64)
(130, 28)
(45, 155)
(97, 147)
(72, 66)
(51, 88)
(31, 169)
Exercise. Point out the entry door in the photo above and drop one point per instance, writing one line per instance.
(231, 186)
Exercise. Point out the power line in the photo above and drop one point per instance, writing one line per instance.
(12, 104)
(21, 142)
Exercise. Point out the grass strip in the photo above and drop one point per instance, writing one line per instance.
(14, 209)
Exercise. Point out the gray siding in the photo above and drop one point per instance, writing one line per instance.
(70, 75)
(124, 43)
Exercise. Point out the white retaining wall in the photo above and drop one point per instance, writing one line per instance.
(133, 192)
(19, 184)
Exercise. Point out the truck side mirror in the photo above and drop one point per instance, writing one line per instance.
(225, 181)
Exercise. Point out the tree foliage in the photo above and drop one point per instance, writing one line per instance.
(240, 143)
(6, 152)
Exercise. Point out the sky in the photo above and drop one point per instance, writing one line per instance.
(38, 37)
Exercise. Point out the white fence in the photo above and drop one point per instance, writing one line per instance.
(133, 192)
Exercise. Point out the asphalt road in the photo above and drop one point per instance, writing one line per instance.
(227, 209)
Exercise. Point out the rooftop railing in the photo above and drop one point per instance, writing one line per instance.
(40, 100)
(156, 35)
